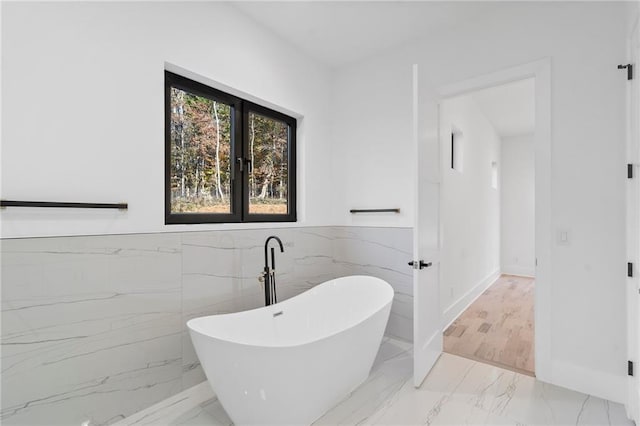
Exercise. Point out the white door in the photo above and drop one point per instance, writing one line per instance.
(633, 228)
(427, 328)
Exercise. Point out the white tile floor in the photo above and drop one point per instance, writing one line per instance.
(458, 391)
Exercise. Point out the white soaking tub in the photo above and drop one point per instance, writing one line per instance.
(289, 363)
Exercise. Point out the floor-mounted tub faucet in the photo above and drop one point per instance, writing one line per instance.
(269, 274)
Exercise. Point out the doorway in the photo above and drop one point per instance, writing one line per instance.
(488, 224)
(429, 224)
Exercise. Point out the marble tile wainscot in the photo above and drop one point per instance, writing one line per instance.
(220, 275)
(90, 327)
(383, 253)
(93, 327)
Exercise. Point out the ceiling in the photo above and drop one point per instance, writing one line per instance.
(336, 33)
(509, 107)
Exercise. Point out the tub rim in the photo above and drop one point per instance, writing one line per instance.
(192, 329)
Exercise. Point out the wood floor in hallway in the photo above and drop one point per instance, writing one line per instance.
(497, 328)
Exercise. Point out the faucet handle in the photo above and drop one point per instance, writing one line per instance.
(261, 281)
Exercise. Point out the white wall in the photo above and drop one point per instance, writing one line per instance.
(587, 156)
(372, 152)
(633, 13)
(517, 206)
(470, 206)
(82, 115)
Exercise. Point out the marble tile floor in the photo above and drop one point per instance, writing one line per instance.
(458, 391)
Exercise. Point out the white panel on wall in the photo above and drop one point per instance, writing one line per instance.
(517, 206)
(372, 157)
(85, 86)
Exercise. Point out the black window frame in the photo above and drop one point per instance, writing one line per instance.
(240, 109)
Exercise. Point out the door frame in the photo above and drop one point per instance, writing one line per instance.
(540, 70)
(632, 156)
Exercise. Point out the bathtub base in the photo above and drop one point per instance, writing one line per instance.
(286, 386)
(291, 384)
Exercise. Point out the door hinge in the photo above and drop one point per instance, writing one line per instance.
(629, 171)
(629, 269)
(630, 368)
(629, 68)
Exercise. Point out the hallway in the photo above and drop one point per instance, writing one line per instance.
(497, 328)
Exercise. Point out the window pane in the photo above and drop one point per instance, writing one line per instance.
(268, 150)
(200, 152)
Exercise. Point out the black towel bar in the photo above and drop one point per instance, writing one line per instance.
(11, 203)
(374, 211)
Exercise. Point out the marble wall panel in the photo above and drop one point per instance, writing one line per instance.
(220, 273)
(90, 327)
(94, 328)
(383, 253)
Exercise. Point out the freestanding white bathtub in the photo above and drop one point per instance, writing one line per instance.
(288, 363)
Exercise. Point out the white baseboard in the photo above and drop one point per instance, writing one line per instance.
(589, 381)
(522, 271)
(463, 302)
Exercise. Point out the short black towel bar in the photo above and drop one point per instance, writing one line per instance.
(374, 211)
